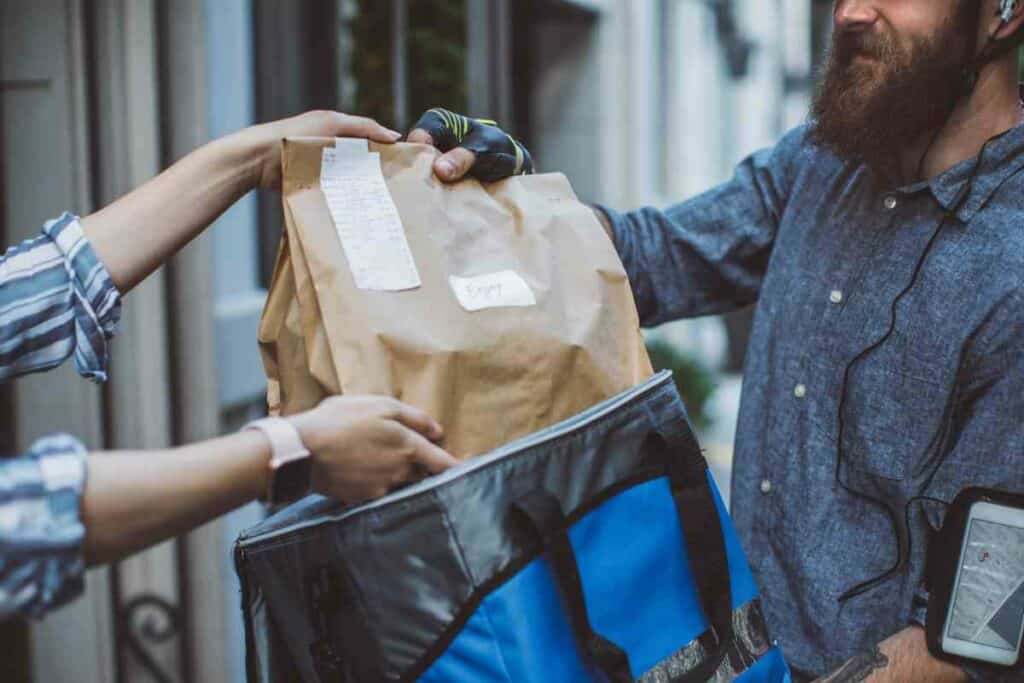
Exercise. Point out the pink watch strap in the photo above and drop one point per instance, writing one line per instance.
(285, 443)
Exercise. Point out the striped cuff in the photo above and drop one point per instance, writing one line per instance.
(41, 530)
(97, 303)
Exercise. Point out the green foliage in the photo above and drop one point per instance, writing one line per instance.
(436, 57)
(695, 382)
(371, 60)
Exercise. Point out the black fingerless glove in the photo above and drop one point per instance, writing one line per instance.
(498, 154)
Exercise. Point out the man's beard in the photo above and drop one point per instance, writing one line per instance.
(866, 110)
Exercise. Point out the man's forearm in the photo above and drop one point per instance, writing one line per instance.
(135, 499)
(139, 231)
(903, 657)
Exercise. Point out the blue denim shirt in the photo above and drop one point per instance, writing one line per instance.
(824, 248)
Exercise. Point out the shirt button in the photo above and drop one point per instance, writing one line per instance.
(766, 486)
(836, 296)
(890, 202)
(800, 391)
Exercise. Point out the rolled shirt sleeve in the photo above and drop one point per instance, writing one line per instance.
(41, 531)
(56, 300)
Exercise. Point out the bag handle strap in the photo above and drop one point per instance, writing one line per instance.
(705, 539)
(705, 544)
(545, 518)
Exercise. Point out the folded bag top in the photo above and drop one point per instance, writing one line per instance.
(594, 550)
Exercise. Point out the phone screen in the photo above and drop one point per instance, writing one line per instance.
(988, 607)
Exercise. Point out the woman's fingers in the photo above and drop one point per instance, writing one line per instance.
(430, 456)
(363, 127)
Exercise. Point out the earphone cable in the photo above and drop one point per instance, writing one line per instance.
(901, 550)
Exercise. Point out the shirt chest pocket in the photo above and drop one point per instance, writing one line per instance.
(895, 415)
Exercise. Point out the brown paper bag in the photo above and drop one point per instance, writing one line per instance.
(488, 375)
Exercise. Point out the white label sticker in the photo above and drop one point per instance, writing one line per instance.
(493, 290)
(366, 219)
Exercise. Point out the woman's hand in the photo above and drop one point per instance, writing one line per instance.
(363, 446)
(139, 231)
(264, 140)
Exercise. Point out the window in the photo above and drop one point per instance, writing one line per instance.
(389, 60)
(403, 57)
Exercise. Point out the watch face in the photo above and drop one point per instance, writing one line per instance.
(291, 480)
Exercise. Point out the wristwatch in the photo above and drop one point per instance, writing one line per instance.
(290, 460)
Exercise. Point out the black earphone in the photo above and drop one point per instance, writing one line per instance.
(969, 74)
(902, 533)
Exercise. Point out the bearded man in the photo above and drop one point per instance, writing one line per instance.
(883, 244)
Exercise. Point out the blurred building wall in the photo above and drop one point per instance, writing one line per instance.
(642, 101)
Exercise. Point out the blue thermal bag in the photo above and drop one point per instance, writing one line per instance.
(595, 550)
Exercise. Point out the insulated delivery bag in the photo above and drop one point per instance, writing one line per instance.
(594, 550)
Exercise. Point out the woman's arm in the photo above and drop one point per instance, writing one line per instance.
(362, 447)
(61, 508)
(60, 293)
(135, 499)
(142, 229)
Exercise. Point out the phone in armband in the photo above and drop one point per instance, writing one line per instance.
(975, 579)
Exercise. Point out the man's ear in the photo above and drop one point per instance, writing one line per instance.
(1007, 27)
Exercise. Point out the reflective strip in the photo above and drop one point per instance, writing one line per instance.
(519, 155)
(751, 643)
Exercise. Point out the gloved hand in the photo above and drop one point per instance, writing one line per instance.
(474, 146)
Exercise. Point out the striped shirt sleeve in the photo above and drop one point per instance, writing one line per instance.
(56, 300)
(41, 532)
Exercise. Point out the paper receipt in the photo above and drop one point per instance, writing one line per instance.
(366, 219)
(493, 290)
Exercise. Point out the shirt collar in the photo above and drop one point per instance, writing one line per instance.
(1003, 157)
